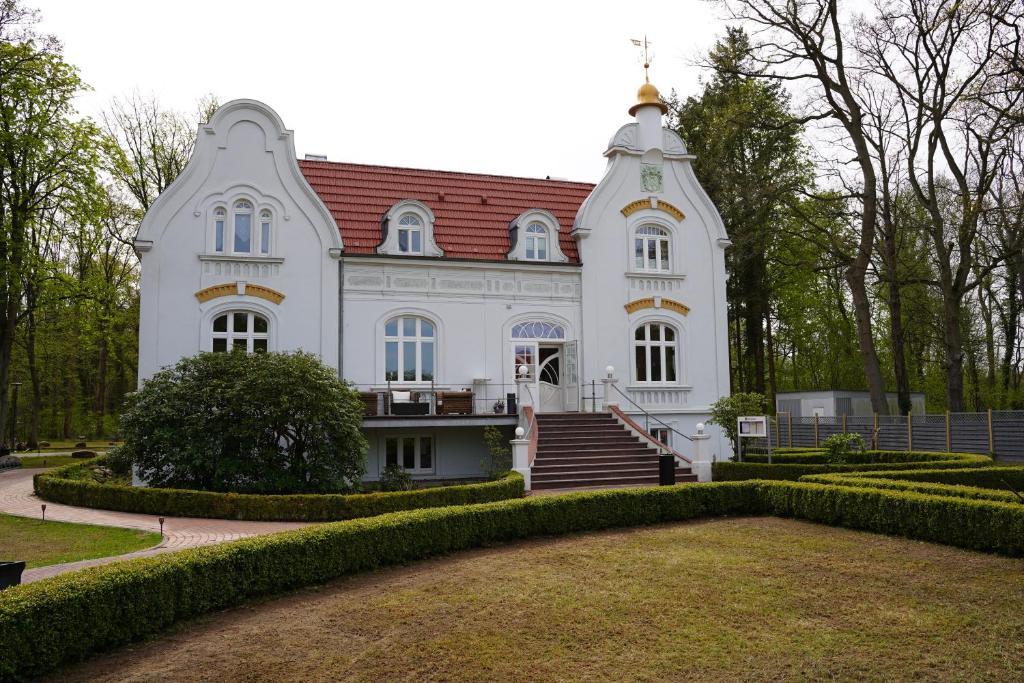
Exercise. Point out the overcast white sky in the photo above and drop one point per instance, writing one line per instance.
(517, 88)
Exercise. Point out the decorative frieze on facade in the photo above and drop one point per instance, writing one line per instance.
(461, 282)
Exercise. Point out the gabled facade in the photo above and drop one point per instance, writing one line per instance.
(451, 300)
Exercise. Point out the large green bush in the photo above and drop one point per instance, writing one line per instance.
(792, 465)
(256, 423)
(72, 485)
(50, 623)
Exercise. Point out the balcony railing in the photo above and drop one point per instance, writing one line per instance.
(398, 399)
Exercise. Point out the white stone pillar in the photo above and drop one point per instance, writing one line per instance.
(611, 397)
(521, 458)
(701, 456)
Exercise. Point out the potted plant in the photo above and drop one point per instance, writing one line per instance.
(499, 407)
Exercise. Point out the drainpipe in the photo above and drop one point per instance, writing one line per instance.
(341, 317)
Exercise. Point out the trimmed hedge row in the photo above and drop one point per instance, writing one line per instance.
(798, 465)
(60, 485)
(954, 491)
(54, 622)
(973, 524)
(983, 477)
(47, 624)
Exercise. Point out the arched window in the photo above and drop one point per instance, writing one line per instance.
(220, 215)
(242, 243)
(536, 242)
(410, 234)
(656, 353)
(242, 330)
(537, 329)
(409, 347)
(651, 248)
(265, 219)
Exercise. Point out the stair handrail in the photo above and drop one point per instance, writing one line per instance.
(663, 449)
(648, 415)
(529, 413)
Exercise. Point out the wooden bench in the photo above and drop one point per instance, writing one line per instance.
(454, 402)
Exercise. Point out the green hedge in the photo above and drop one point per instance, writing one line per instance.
(955, 491)
(974, 524)
(47, 624)
(983, 477)
(51, 623)
(66, 485)
(794, 465)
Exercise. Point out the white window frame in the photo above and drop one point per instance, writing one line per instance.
(647, 234)
(220, 228)
(660, 347)
(266, 232)
(410, 226)
(418, 441)
(400, 339)
(237, 211)
(536, 242)
(250, 336)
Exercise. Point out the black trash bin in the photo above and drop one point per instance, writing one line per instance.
(667, 470)
(510, 404)
(10, 573)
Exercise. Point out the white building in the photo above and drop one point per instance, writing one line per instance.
(429, 290)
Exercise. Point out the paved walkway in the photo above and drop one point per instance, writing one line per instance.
(18, 498)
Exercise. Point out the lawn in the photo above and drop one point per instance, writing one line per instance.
(41, 543)
(732, 599)
(39, 461)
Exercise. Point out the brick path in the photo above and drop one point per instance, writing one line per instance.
(17, 498)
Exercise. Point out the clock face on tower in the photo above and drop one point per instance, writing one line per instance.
(650, 177)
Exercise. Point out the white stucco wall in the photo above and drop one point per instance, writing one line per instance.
(245, 152)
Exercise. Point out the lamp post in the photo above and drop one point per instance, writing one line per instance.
(14, 414)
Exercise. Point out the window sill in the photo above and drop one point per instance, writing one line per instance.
(660, 387)
(248, 258)
(656, 274)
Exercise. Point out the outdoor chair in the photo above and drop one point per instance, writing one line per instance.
(408, 403)
(454, 402)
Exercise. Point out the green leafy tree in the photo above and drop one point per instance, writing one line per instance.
(726, 410)
(258, 423)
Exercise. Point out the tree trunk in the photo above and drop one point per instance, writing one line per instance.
(37, 386)
(896, 333)
(772, 384)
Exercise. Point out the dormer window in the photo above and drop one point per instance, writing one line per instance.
(534, 237)
(410, 234)
(536, 242)
(408, 230)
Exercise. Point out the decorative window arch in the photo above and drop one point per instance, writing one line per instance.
(652, 249)
(408, 230)
(656, 353)
(534, 237)
(410, 349)
(537, 329)
(240, 329)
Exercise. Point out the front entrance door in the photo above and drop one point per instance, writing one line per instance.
(549, 378)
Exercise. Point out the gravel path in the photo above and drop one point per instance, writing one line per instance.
(17, 498)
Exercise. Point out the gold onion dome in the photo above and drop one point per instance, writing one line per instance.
(648, 94)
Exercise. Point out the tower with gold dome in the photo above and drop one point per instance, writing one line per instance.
(654, 305)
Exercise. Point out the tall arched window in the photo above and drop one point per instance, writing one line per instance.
(656, 353)
(409, 348)
(265, 219)
(242, 243)
(242, 330)
(536, 242)
(410, 234)
(651, 248)
(220, 215)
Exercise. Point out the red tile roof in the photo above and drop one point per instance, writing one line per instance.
(472, 211)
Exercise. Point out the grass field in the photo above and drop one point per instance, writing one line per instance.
(41, 461)
(41, 543)
(733, 599)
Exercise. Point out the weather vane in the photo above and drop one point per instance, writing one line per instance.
(647, 56)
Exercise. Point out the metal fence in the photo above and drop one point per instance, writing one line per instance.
(996, 432)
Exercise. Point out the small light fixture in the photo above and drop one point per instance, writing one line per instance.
(700, 427)
(43, 506)
(523, 370)
(161, 526)
(610, 371)
(520, 432)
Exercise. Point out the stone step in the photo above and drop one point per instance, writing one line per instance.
(570, 458)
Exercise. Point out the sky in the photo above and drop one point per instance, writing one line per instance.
(520, 88)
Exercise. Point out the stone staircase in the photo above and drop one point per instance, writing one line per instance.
(577, 450)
